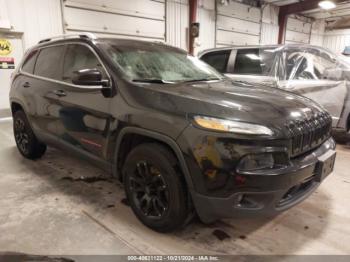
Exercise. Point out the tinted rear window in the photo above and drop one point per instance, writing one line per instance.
(29, 63)
(218, 60)
(254, 61)
(49, 62)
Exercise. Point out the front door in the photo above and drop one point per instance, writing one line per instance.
(84, 112)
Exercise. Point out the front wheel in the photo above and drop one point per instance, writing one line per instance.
(154, 187)
(27, 143)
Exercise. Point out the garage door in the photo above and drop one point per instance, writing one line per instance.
(237, 24)
(140, 19)
(298, 31)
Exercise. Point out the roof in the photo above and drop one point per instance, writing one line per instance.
(91, 37)
(286, 46)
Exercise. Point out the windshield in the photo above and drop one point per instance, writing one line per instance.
(313, 64)
(160, 64)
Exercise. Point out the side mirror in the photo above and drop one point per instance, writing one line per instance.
(89, 77)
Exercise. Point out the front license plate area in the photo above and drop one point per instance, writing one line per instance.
(325, 165)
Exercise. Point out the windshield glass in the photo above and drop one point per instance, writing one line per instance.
(155, 62)
(313, 64)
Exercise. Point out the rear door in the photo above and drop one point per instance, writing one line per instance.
(218, 59)
(42, 70)
(84, 117)
(254, 65)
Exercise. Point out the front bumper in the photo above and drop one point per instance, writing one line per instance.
(267, 194)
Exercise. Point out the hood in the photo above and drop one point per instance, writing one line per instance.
(256, 104)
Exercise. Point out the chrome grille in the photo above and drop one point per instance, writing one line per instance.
(309, 133)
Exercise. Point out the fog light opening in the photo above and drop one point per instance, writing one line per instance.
(253, 162)
(244, 201)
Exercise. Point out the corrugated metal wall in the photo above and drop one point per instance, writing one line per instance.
(269, 25)
(298, 30)
(162, 20)
(177, 20)
(317, 32)
(141, 19)
(206, 18)
(237, 24)
(336, 40)
(177, 23)
(269, 34)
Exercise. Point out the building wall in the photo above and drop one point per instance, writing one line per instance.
(23, 23)
(206, 17)
(146, 19)
(317, 32)
(177, 19)
(269, 25)
(336, 40)
(138, 19)
(177, 24)
(36, 19)
(298, 30)
(237, 24)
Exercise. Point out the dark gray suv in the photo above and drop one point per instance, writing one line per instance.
(181, 137)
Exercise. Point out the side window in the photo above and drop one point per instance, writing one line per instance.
(49, 62)
(79, 57)
(29, 63)
(218, 60)
(255, 61)
(248, 62)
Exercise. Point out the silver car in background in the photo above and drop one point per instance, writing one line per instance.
(311, 71)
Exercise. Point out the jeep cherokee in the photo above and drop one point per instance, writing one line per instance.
(181, 137)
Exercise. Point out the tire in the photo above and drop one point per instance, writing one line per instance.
(156, 191)
(27, 143)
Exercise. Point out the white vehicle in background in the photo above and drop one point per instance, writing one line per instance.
(311, 71)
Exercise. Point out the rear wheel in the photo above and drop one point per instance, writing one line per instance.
(154, 187)
(27, 143)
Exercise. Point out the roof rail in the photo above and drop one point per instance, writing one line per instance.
(81, 35)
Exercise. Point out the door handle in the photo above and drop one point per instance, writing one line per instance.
(59, 93)
(26, 85)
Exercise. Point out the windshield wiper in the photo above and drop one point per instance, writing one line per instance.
(152, 80)
(202, 79)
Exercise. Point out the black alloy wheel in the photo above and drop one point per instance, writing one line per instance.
(27, 143)
(155, 188)
(149, 190)
(21, 136)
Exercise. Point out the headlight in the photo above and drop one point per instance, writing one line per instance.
(256, 162)
(232, 126)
